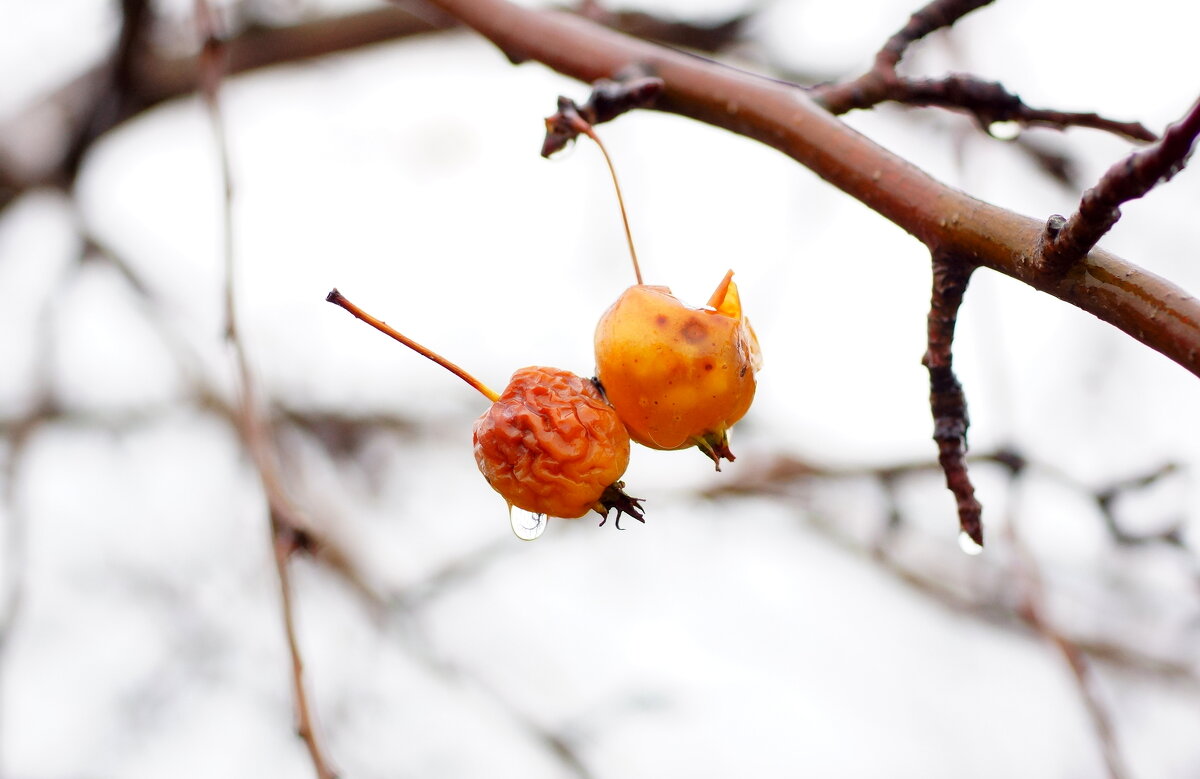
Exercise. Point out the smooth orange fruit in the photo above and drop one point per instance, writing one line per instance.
(678, 376)
(552, 445)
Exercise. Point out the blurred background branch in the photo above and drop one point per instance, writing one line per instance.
(423, 633)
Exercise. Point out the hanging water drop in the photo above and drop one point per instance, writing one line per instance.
(968, 545)
(526, 525)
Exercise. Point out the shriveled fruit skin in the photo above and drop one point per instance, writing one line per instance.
(678, 376)
(551, 444)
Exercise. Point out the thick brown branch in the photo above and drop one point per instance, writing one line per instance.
(1148, 308)
(946, 398)
(1064, 243)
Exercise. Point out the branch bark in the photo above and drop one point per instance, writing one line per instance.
(946, 397)
(1146, 307)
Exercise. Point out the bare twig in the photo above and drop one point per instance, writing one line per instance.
(986, 101)
(1032, 609)
(289, 532)
(949, 405)
(934, 16)
(1107, 497)
(1055, 163)
(1064, 242)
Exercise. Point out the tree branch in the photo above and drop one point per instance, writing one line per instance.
(288, 528)
(1065, 241)
(1148, 308)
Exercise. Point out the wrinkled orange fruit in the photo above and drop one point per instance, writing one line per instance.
(678, 376)
(552, 445)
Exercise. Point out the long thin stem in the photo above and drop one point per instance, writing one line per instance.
(587, 130)
(338, 299)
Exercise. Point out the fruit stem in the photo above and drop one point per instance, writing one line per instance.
(338, 299)
(587, 130)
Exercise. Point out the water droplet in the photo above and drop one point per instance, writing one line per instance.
(526, 525)
(1004, 131)
(968, 545)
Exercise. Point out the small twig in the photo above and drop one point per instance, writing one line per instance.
(986, 101)
(288, 530)
(1107, 497)
(1058, 165)
(1032, 609)
(946, 398)
(286, 542)
(989, 102)
(1065, 242)
(934, 16)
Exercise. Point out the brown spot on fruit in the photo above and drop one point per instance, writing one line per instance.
(694, 331)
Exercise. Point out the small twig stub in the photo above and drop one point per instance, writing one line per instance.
(609, 99)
